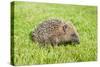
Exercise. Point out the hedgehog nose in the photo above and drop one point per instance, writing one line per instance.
(76, 41)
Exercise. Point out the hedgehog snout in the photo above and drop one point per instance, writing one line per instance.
(75, 39)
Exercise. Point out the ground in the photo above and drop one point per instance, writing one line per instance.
(28, 15)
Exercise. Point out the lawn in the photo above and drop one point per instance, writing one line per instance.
(28, 15)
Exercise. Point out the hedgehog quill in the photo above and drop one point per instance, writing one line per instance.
(55, 31)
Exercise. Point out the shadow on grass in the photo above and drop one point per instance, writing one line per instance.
(30, 36)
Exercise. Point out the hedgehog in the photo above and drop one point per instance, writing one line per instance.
(55, 32)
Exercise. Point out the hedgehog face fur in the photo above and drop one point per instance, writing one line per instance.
(55, 31)
(71, 34)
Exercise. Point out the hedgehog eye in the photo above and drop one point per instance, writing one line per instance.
(64, 28)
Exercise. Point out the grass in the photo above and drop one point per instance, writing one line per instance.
(28, 15)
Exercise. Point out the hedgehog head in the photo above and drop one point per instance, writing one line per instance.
(71, 34)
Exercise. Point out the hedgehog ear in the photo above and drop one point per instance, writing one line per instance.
(64, 28)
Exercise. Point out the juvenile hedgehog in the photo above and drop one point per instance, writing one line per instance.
(55, 31)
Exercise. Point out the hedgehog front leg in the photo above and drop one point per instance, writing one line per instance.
(54, 41)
